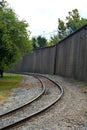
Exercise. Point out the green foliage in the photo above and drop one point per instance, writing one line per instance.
(74, 20)
(39, 42)
(61, 29)
(34, 42)
(42, 42)
(54, 39)
(49, 43)
(72, 23)
(14, 37)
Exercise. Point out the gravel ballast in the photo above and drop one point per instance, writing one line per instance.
(70, 113)
(29, 88)
(51, 94)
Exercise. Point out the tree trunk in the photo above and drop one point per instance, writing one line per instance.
(1, 73)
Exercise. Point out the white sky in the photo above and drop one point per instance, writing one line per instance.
(42, 15)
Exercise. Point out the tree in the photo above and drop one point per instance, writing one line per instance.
(14, 38)
(39, 42)
(54, 39)
(72, 23)
(61, 29)
(42, 41)
(74, 20)
(34, 42)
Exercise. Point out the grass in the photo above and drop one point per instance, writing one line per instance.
(7, 83)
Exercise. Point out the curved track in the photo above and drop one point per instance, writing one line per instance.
(51, 93)
(24, 105)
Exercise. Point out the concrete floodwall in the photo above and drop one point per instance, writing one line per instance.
(40, 61)
(43, 60)
(71, 55)
(68, 58)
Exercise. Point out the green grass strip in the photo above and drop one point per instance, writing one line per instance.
(7, 83)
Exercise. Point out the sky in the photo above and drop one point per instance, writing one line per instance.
(42, 15)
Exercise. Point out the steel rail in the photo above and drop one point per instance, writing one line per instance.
(38, 112)
(26, 104)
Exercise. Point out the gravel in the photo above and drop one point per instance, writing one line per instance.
(70, 113)
(52, 92)
(28, 89)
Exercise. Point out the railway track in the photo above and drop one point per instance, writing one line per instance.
(50, 94)
(34, 98)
